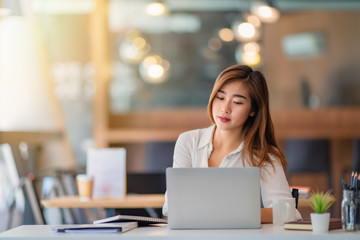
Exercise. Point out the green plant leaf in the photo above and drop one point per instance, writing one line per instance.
(321, 202)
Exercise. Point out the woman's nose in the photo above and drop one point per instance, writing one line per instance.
(225, 108)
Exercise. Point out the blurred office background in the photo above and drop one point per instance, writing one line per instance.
(76, 74)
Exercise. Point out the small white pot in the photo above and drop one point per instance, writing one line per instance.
(320, 222)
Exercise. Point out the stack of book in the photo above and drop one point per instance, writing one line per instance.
(335, 223)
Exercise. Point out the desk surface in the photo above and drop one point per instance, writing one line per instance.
(130, 201)
(267, 231)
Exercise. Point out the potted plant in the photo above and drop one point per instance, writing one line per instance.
(320, 202)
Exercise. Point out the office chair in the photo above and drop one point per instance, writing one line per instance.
(159, 156)
(310, 156)
(145, 183)
(25, 198)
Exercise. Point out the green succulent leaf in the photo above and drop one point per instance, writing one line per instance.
(320, 202)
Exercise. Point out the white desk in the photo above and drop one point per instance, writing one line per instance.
(267, 231)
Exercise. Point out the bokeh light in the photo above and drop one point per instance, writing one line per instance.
(266, 13)
(154, 69)
(226, 35)
(133, 48)
(156, 9)
(245, 31)
(215, 44)
(248, 53)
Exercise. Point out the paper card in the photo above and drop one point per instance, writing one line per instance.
(108, 167)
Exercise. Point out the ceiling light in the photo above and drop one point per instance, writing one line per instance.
(265, 12)
(245, 31)
(156, 9)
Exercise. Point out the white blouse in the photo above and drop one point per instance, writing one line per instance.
(193, 149)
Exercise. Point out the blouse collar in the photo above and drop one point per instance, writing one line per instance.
(206, 139)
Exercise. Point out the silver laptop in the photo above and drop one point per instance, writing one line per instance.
(213, 198)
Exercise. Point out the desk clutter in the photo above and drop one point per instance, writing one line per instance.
(124, 223)
(115, 224)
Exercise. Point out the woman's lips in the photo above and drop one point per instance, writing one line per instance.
(224, 119)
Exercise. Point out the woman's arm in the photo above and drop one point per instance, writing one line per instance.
(274, 184)
(182, 159)
(182, 151)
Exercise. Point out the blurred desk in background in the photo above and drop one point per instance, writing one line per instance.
(110, 204)
(130, 201)
(30, 137)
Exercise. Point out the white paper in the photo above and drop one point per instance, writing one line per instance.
(108, 167)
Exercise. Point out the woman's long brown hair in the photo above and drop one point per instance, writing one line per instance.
(258, 130)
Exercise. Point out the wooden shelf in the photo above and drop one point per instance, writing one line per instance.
(142, 135)
(332, 123)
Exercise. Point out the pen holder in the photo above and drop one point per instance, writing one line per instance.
(350, 216)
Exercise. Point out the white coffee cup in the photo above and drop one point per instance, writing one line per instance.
(283, 210)
(85, 186)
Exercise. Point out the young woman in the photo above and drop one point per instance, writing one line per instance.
(242, 134)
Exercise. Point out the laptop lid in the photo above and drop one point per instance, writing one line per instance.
(213, 198)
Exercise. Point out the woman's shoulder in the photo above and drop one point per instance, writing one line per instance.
(197, 132)
(196, 136)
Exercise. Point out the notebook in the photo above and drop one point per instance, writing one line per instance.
(219, 198)
(95, 228)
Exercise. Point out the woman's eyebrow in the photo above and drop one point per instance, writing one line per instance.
(235, 95)
(239, 96)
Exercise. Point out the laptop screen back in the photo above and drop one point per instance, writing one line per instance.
(213, 198)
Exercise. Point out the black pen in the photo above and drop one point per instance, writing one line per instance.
(344, 184)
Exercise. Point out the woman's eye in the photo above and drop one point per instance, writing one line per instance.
(220, 98)
(237, 102)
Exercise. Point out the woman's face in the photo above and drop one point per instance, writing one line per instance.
(231, 106)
